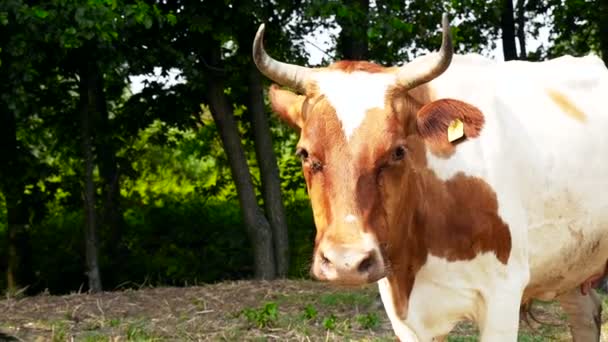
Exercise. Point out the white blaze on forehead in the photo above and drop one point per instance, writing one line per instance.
(353, 94)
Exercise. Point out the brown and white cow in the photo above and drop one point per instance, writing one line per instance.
(462, 186)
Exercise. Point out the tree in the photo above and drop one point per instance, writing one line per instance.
(267, 228)
(579, 27)
(257, 225)
(603, 32)
(353, 19)
(86, 42)
(521, 28)
(508, 30)
(19, 70)
(395, 32)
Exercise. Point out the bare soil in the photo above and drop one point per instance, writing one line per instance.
(285, 310)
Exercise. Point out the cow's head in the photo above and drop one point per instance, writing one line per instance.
(365, 131)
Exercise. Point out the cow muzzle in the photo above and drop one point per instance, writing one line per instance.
(348, 264)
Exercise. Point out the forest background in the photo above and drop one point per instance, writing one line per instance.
(194, 180)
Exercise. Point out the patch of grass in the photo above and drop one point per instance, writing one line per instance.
(310, 313)
(530, 338)
(346, 298)
(368, 321)
(114, 322)
(262, 317)
(285, 310)
(59, 332)
(137, 332)
(462, 339)
(95, 337)
(329, 322)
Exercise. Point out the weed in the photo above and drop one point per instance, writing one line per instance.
(96, 337)
(136, 332)
(114, 322)
(329, 323)
(59, 332)
(262, 317)
(368, 321)
(310, 313)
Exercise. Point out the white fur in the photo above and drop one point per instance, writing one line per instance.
(353, 94)
(461, 290)
(547, 168)
(548, 171)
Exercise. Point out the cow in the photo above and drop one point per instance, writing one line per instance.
(464, 187)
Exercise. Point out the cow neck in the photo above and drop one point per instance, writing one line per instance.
(456, 220)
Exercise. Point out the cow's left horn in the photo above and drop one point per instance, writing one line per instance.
(425, 69)
(290, 75)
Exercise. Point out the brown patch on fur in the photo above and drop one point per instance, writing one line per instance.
(566, 105)
(352, 66)
(435, 118)
(471, 221)
(456, 220)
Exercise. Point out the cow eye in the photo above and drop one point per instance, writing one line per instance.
(314, 164)
(302, 153)
(399, 153)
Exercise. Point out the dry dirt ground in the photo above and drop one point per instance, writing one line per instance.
(287, 310)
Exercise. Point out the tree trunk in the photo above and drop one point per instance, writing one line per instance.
(508, 31)
(271, 183)
(353, 42)
(18, 241)
(521, 29)
(258, 228)
(603, 31)
(87, 97)
(12, 185)
(110, 220)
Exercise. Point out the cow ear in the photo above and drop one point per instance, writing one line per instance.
(445, 123)
(288, 105)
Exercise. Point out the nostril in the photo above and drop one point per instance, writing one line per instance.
(366, 264)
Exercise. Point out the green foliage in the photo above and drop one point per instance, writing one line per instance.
(179, 211)
(310, 313)
(575, 27)
(329, 322)
(59, 332)
(263, 317)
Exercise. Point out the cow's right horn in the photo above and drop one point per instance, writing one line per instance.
(424, 69)
(290, 75)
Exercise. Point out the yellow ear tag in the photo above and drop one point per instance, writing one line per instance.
(455, 130)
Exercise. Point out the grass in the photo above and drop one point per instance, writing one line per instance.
(231, 311)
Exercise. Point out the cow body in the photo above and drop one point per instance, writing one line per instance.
(545, 159)
(462, 186)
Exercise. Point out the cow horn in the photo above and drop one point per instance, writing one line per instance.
(290, 75)
(426, 68)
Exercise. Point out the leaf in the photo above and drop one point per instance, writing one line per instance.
(147, 22)
(171, 18)
(3, 18)
(40, 13)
